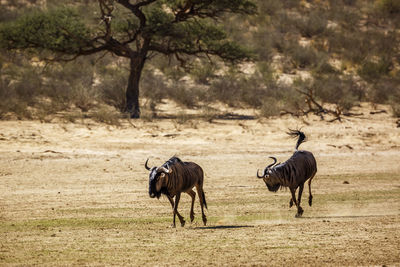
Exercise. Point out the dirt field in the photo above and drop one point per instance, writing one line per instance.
(77, 194)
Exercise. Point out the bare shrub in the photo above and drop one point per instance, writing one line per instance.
(208, 113)
(182, 118)
(112, 88)
(270, 107)
(264, 41)
(106, 115)
(225, 89)
(203, 72)
(303, 56)
(344, 92)
(254, 89)
(84, 98)
(283, 23)
(313, 24)
(154, 86)
(391, 7)
(183, 94)
(385, 90)
(270, 7)
(374, 70)
(395, 109)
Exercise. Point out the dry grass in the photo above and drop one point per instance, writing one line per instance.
(77, 195)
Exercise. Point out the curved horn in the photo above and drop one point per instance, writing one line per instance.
(145, 165)
(270, 165)
(259, 175)
(163, 169)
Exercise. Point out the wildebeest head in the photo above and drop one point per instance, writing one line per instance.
(157, 179)
(270, 180)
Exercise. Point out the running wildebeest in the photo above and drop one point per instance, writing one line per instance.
(174, 177)
(293, 173)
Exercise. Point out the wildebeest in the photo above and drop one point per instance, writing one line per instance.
(293, 173)
(174, 177)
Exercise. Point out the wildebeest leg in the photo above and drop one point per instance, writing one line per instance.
(309, 190)
(177, 197)
(202, 201)
(192, 194)
(299, 208)
(177, 212)
(293, 200)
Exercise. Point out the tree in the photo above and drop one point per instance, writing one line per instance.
(139, 30)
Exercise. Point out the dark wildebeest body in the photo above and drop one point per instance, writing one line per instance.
(293, 173)
(175, 177)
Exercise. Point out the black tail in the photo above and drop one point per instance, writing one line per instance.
(204, 198)
(301, 135)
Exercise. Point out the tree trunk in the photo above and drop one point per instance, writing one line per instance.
(132, 92)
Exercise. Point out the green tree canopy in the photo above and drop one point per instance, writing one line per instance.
(181, 28)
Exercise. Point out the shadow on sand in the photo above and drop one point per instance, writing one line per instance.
(225, 116)
(223, 227)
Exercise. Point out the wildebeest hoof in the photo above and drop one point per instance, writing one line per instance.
(299, 212)
(290, 203)
(310, 201)
(191, 217)
(182, 223)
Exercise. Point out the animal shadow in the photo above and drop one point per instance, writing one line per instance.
(223, 227)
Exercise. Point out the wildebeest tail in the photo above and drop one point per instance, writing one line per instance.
(204, 198)
(297, 133)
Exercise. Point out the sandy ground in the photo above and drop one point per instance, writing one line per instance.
(77, 194)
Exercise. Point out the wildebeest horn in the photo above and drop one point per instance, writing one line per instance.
(259, 175)
(270, 165)
(163, 169)
(145, 165)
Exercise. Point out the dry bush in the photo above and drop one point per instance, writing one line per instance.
(283, 23)
(226, 89)
(203, 72)
(85, 98)
(153, 85)
(183, 94)
(395, 108)
(385, 90)
(112, 86)
(271, 107)
(313, 24)
(372, 71)
(20, 86)
(302, 57)
(107, 115)
(182, 118)
(344, 92)
(208, 113)
(264, 44)
(390, 7)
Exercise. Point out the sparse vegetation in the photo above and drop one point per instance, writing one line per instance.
(288, 37)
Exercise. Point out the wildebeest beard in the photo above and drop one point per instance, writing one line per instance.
(273, 188)
(152, 189)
